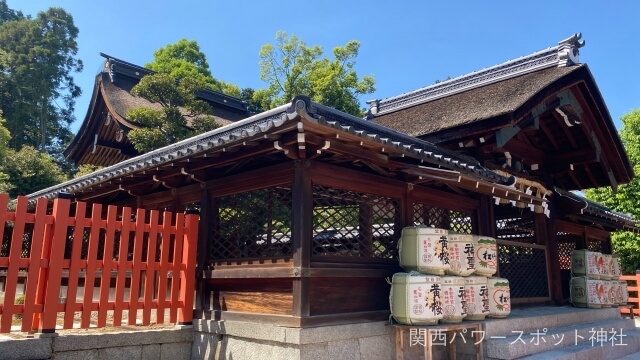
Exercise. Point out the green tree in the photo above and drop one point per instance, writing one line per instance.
(29, 170)
(37, 88)
(184, 59)
(627, 198)
(181, 115)
(292, 68)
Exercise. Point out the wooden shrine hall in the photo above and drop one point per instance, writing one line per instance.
(302, 206)
(102, 137)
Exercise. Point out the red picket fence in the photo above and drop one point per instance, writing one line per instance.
(634, 296)
(150, 255)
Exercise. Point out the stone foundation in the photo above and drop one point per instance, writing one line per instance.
(240, 340)
(170, 344)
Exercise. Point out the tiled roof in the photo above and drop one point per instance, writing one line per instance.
(269, 121)
(597, 209)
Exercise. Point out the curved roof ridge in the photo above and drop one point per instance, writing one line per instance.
(563, 54)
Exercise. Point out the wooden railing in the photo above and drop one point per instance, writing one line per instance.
(633, 283)
(141, 250)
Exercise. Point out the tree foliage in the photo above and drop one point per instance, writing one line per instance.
(627, 198)
(184, 59)
(292, 68)
(181, 115)
(37, 88)
(29, 170)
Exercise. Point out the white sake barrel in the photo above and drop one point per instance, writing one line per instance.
(486, 261)
(625, 291)
(424, 249)
(461, 254)
(499, 297)
(585, 263)
(618, 291)
(608, 299)
(615, 267)
(416, 299)
(453, 300)
(585, 292)
(476, 296)
(605, 269)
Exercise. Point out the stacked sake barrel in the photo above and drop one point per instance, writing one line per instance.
(438, 285)
(594, 280)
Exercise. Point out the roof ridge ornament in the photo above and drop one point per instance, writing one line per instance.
(568, 50)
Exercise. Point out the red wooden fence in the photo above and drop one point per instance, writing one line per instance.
(150, 254)
(634, 295)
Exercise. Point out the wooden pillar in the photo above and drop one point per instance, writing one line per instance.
(301, 236)
(208, 216)
(486, 220)
(553, 255)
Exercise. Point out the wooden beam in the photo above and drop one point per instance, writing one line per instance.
(565, 130)
(549, 135)
(519, 149)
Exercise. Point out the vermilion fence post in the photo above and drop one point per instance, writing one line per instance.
(37, 242)
(11, 279)
(188, 272)
(150, 271)
(107, 261)
(134, 293)
(56, 257)
(92, 262)
(177, 263)
(164, 266)
(74, 264)
(122, 266)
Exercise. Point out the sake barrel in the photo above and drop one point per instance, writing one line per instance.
(461, 254)
(605, 269)
(615, 267)
(607, 300)
(625, 291)
(618, 292)
(585, 292)
(499, 297)
(486, 261)
(476, 296)
(416, 299)
(585, 263)
(424, 249)
(453, 300)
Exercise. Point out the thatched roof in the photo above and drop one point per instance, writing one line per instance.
(473, 105)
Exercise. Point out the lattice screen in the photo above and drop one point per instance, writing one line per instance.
(442, 218)
(516, 229)
(354, 224)
(526, 270)
(595, 245)
(564, 252)
(254, 224)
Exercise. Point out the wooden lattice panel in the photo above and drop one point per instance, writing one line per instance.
(254, 224)
(516, 229)
(454, 221)
(594, 245)
(526, 270)
(354, 224)
(564, 253)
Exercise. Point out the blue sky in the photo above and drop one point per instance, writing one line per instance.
(404, 44)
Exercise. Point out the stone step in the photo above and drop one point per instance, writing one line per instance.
(530, 319)
(587, 350)
(634, 356)
(521, 343)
